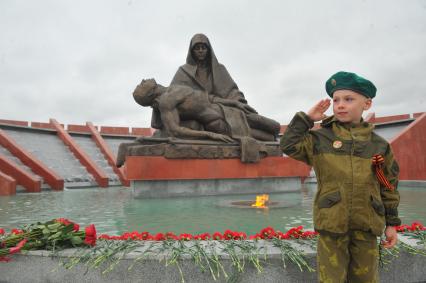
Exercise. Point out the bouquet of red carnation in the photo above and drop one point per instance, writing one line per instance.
(56, 234)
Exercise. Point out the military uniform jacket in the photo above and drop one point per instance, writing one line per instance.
(349, 196)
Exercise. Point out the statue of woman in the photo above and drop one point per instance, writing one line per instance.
(202, 71)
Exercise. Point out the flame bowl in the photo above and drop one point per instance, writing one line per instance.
(249, 203)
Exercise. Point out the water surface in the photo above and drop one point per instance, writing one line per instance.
(114, 211)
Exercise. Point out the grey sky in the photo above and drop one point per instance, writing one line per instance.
(80, 61)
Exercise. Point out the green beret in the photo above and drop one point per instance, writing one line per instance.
(351, 81)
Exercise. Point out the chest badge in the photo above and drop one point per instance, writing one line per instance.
(337, 144)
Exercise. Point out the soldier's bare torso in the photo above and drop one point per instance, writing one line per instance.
(191, 104)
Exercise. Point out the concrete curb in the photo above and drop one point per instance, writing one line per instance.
(413, 183)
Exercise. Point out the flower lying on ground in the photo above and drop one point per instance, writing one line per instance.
(62, 233)
(415, 226)
(90, 238)
(66, 222)
(56, 234)
(266, 233)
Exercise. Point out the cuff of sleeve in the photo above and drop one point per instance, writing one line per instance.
(308, 121)
(393, 221)
(391, 215)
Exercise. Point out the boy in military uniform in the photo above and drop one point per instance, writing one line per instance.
(357, 179)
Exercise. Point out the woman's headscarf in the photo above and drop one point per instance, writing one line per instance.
(222, 83)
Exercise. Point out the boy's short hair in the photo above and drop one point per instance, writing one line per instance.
(350, 81)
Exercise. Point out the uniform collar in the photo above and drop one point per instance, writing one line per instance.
(348, 131)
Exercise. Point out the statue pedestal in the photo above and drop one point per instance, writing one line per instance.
(158, 177)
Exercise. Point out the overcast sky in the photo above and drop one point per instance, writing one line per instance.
(79, 61)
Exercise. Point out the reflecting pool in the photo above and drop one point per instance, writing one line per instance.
(114, 210)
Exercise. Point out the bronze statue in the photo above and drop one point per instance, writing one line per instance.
(219, 121)
(202, 114)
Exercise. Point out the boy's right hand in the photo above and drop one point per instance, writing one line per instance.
(316, 113)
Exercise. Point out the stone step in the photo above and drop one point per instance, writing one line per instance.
(49, 149)
(21, 165)
(89, 146)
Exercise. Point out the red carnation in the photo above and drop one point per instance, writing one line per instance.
(159, 237)
(282, 236)
(228, 235)
(205, 236)
(171, 236)
(2, 232)
(17, 231)
(4, 259)
(255, 237)
(267, 233)
(416, 226)
(185, 237)
(295, 232)
(217, 236)
(18, 247)
(402, 228)
(240, 236)
(135, 235)
(64, 221)
(146, 236)
(309, 234)
(90, 238)
(125, 236)
(105, 237)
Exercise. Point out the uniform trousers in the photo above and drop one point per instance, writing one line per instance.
(349, 258)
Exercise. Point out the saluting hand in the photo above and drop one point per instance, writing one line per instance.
(316, 113)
